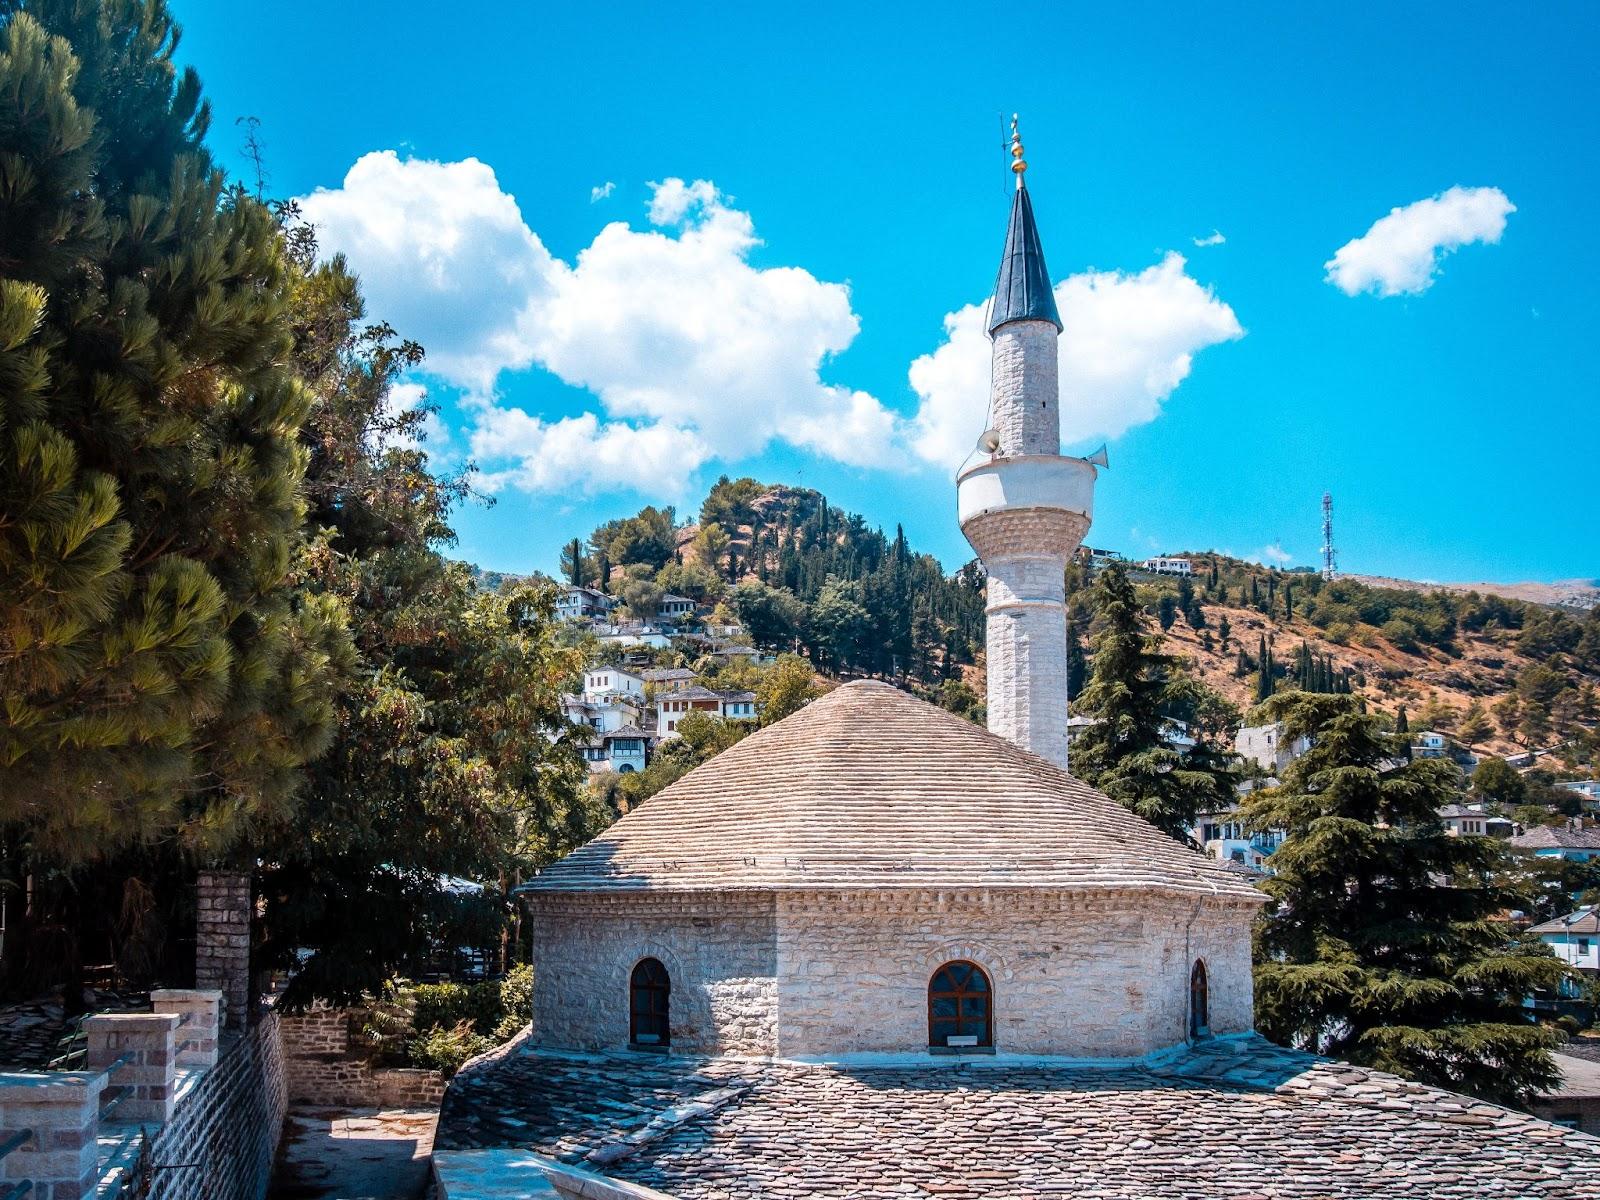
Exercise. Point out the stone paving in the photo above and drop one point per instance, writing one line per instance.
(353, 1154)
(1240, 1119)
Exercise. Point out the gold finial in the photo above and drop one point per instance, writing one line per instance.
(1018, 164)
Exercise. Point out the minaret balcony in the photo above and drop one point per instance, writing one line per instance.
(1028, 504)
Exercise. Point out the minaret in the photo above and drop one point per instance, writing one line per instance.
(1023, 505)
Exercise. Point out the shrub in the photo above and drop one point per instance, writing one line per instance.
(516, 1002)
(446, 1005)
(444, 1050)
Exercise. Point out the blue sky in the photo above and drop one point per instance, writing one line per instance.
(851, 206)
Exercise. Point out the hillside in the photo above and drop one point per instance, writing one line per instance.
(799, 573)
(1532, 669)
(1576, 594)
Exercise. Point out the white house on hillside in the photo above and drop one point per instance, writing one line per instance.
(1573, 938)
(612, 698)
(672, 610)
(672, 707)
(1472, 819)
(1168, 566)
(583, 603)
(1266, 746)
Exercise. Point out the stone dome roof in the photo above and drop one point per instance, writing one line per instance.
(869, 787)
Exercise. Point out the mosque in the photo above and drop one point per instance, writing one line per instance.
(875, 950)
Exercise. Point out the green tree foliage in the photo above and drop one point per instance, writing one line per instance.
(442, 767)
(730, 503)
(1383, 944)
(772, 616)
(1266, 670)
(1497, 782)
(787, 686)
(648, 538)
(1474, 725)
(1135, 692)
(840, 624)
(162, 676)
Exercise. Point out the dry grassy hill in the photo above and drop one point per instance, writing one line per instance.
(1485, 670)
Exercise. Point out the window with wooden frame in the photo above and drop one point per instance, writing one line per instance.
(649, 1005)
(960, 1007)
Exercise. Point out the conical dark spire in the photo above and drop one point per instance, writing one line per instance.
(1022, 292)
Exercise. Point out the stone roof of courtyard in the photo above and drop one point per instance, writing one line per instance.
(1235, 1118)
(869, 787)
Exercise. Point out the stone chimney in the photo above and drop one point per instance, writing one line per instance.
(1023, 505)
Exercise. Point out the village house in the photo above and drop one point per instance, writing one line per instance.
(1268, 748)
(875, 950)
(1574, 938)
(1459, 819)
(1225, 838)
(583, 604)
(612, 697)
(1168, 566)
(1573, 842)
(622, 750)
(674, 610)
(1430, 743)
(673, 706)
(1588, 789)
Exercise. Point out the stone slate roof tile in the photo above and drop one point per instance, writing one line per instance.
(1237, 1118)
(871, 787)
(1544, 837)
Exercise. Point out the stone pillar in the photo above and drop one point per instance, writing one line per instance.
(222, 942)
(63, 1111)
(148, 1041)
(199, 1019)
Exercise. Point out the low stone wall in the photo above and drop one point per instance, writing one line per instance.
(223, 1137)
(321, 1071)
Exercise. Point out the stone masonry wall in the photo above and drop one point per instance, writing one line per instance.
(1094, 977)
(221, 1141)
(1023, 389)
(718, 950)
(319, 1069)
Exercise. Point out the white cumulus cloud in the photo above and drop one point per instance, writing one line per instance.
(1274, 555)
(601, 191)
(1129, 340)
(1214, 238)
(1400, 254)
(693, 353)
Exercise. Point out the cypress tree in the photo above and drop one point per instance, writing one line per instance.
(1384, 944)
(161, 674)
(1131, 690)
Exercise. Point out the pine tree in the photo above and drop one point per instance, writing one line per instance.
(1384, 944)
(161, 675)
(1132, 691)
(572, 563)
(1473, 726)
(443, 767)
(1266, 682)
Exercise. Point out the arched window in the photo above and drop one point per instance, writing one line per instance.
(649, 997)
(1199, 1002)
(960, 1006)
